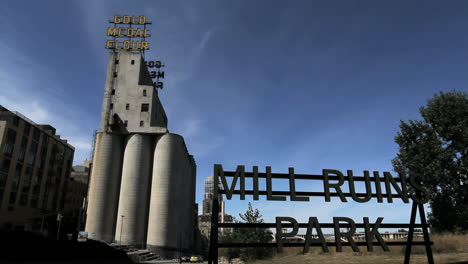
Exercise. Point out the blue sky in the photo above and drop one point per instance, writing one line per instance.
(307, 84)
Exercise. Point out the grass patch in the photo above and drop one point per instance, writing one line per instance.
(447, 248)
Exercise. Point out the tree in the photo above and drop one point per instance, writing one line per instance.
(262, 235)
(436, 148)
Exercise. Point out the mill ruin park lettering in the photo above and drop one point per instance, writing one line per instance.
(380, 187)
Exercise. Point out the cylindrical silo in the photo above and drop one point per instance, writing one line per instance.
(166, 214)
(104, 187)
(134, 191)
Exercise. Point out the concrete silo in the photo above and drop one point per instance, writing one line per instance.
(134, 191)
(143, 176)
(104, 186)
(171, 206)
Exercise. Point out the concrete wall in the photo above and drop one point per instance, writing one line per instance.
(171, 200)
(107, 98)
(127, 82)
(134, 191)
(104, 187)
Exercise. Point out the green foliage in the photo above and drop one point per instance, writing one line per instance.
(437, 149)
(262, 235)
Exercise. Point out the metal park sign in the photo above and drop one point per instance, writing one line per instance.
(128, 33)
(408, 189)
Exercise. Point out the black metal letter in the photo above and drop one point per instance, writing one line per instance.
(255, 182)
(348, 235)
(279, 232)
(327, 185)
(378, 188)
(269, 187)
(352, 188)
(313, 222)
(230, 190)
(374, 233)
(419, 190)
(401, 191)
(292, 188)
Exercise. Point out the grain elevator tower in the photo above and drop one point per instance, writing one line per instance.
(142, 187)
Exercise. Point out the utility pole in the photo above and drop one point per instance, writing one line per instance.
(59, 218)
(42, 224)
(121, 228)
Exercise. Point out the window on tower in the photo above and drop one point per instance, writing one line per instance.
(142, 123)
(144, 107)
(127, 106)
(144, 92)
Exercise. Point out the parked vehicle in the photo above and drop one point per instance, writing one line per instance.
(196, 259)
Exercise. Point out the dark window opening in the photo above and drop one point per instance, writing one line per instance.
(127, 106)
(15, 120)
(116, 61)
(125, 123)
(9, 144)
(111, 106)
(133, 61)
(113, 91)
(144, 92)
(142, 123)
(27, 128)
(144, 107)
(115, 74)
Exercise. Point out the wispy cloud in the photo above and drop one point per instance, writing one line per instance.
(40, 99)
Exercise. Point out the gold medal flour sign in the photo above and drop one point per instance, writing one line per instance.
(128, 33)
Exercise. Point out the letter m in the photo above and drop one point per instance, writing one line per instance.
(229, 190)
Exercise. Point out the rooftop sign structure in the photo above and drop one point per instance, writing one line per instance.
(402, 187)
(128, 33)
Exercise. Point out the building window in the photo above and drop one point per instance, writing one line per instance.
(5, 165)
(113, 91)
(36, 134)
(15, 121)
(22, 150)
(111, 106)
(9, 144)
(115, 74)
(125, 123)
(144, 92)
(144, 107)
(27, 128)
(133, 62)
(116, 61)
(142, 123)
(127, 106)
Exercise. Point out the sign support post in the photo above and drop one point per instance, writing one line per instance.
(213, 249)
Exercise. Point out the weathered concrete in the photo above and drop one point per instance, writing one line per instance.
(134, 191)
(104, 187)
(169, 217)
(127, 78)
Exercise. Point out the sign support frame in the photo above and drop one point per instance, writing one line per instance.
(215, 225)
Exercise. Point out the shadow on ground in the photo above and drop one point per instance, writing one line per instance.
(27, 247)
